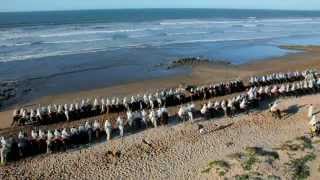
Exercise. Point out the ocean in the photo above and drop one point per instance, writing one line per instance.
(63, 51)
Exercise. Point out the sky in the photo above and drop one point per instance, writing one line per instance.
(43, 5)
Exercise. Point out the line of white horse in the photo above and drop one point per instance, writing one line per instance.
(87, 108)
(277, 78)
(62, 139)
(171, 97)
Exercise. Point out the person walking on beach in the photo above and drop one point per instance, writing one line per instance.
(120, 125)
(108, 129)
(3, 151)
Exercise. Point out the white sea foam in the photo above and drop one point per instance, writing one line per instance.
(222, 40)
(88, 32)
(196, 22)
(47, 54)
(238, 21)
(28, 56)
(186, 33)
(77, 41)
(31, 43)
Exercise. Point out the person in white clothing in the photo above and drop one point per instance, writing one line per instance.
(3, 150)
(153, 118)
(182, 113)
(120, 125)
(144, 117)
(108, 129)
(96, 129)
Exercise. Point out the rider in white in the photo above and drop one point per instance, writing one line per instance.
(108, 129)
(120, 125)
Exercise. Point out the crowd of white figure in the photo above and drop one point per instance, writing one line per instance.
(87, 108)
(56, 140)
(40, 141)
(278, 78)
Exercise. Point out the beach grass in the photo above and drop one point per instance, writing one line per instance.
(306, 142)
(300, 169)
(221, 167)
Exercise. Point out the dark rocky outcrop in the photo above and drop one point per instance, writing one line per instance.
(191, 61)
(8, 90)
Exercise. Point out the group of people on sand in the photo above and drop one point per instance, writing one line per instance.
(87, 108)
(132, 120)
(278, 78)
(40, 141)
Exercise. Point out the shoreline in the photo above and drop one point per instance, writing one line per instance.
(53, 82)
(183, 78)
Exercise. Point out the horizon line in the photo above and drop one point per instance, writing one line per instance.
(94, 9)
